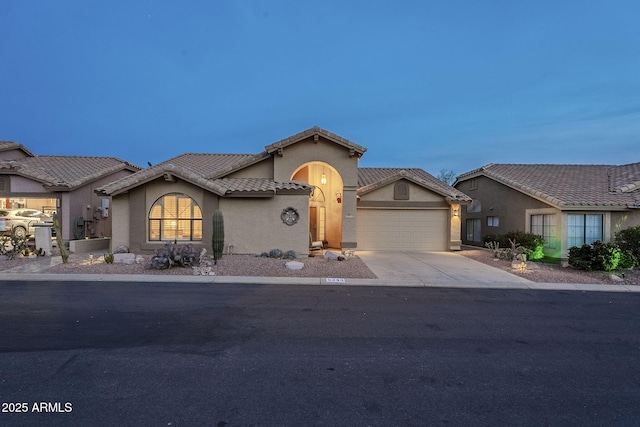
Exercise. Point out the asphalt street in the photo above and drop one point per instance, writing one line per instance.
(168, 354)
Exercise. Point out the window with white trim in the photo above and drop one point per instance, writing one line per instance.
(545, 225)
(583, 229)
(175, 216)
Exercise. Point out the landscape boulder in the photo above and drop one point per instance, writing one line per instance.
(294, 265)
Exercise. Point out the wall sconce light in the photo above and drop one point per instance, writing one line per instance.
(323, 179)
(455, 211)
(339, 197)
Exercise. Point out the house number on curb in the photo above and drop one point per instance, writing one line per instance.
(289, 216)
(329, 280)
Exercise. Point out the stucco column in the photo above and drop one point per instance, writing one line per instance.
(455, 228)
(349, 210)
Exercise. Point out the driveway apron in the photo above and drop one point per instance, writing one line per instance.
(435, 268)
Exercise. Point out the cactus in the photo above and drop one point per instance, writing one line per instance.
(63, 249)
(217, 238)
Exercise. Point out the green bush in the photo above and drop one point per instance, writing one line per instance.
(628, 240)
(627, 259)
(533, 243)
(580, 257)
(596, 256)
(606, 256)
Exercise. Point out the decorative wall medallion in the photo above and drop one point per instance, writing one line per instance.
(289, 216)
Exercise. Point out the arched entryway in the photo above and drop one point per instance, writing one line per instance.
(325, 202)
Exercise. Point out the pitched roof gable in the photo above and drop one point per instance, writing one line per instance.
(569, 186)
(203, 170)
(10, 145)
(65, 172)
(316, 131)
(370, 179)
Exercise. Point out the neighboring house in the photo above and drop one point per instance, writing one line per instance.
(307, 187)
(568, 205)
(62, 184)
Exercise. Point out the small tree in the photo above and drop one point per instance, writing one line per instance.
(217, 237)
(447, 176)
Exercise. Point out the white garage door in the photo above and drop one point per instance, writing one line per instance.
(398, 229)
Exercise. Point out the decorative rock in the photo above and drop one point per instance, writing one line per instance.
(616, 278)
(294, 265)
(519, 265)
(139, 259)
(203, 271)
(122, 249)
(332, 256)
(124, 258)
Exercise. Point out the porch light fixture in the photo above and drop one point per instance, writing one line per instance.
(323, 179)
(339, 197)
(455, 211)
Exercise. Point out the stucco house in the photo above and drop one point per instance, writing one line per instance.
(569, 205)
(306, 187)
(62, 184)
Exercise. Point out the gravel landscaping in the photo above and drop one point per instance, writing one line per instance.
(354, 267)
(555, 273)
(229, 265)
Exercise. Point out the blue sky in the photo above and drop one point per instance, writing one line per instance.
(432, 84)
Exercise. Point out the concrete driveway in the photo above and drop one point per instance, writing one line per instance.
(435, 268)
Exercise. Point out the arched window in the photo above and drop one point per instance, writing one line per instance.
(175, 216)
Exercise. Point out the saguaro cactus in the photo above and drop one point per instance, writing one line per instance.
(217, 239)
(63, 249)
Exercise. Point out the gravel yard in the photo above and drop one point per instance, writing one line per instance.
(229, 265)
(249, 265)
(554, 273)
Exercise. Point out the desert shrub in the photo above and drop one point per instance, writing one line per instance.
(628, 240)
(289, 255)
(606, 256)
(275, 253)
(627, 259)
(580, 257)
(533, 243)
(596, 256)
(174, 255)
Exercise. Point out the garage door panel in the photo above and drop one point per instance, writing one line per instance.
(396, 229)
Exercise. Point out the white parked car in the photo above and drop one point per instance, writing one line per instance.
(23, 220)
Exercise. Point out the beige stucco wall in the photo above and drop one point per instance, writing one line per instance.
(416, 193)
(455, 228)
(253, 225)
(339, 158)
(20, 184)
(623, 220)
(120, 215)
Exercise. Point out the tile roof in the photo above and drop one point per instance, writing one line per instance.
(209, 171)
(195, 168)
(359, 149)
(10, 145)
(241, 185)
(65, 171)
(569, 186)
(370, 179)
(212, 165)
